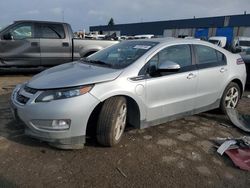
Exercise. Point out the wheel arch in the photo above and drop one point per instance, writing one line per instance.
(234, 80)
(240, 84)
(85, 51)
(134, 114)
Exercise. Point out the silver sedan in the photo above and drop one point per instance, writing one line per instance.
(139, 83)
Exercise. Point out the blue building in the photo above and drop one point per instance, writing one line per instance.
(229, 26)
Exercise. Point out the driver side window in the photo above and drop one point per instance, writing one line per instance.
(22, 32)
(180, 54)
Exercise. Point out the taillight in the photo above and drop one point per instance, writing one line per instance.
(240, 61)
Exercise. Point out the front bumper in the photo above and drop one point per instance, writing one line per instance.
(76, 109)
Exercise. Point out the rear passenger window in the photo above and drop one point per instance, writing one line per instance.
(206, 54)
(53, 31)
(221, 58)
(209, 57)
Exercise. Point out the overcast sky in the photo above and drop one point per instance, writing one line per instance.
(84, 13)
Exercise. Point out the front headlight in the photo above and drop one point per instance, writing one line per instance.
(51, 95)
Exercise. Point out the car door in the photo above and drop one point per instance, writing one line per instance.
(171, 94)
(19, 46)
(55, 46)
(212, 74)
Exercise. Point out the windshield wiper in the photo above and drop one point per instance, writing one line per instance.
(98, 62)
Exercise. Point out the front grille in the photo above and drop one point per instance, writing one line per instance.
(30, 90)
(21, 99)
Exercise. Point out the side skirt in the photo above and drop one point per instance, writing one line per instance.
(145, 124)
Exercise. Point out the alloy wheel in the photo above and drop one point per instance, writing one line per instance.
(232, 98)
(121, 122)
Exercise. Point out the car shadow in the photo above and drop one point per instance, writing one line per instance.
(6, 183)
(247, 88)
(14, 131)
(216, 115)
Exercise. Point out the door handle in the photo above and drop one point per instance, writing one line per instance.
(65, 44)
(34, 44)
(223, 70)
(190, 76)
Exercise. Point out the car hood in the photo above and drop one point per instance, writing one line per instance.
(72, 74)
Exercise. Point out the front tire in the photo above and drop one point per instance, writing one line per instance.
(112, 121)
(231, 96)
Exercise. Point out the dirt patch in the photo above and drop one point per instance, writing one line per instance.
(7, 83)
(194, 156)
(217, 162)
(173, 131)
(147, 137)
(181, 165)
(4, 143)
(204, 170)
(169, 159)
(202, 130)
(166, 142)
(205, 145)
(185, 137)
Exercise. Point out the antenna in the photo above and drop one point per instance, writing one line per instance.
(63, 15)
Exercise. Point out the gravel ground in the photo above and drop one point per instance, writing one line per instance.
(175, 154)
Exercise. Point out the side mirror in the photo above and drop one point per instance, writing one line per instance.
(168, 66)
(7, 36)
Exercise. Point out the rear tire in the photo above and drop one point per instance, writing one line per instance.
(230, 97)
(112, 121)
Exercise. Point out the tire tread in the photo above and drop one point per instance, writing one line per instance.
(106, 120)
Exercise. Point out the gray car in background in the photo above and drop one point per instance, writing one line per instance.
(140, 82)
(29, 43)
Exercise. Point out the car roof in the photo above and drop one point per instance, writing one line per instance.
(39, 21)
(176, 40)
(172, 40)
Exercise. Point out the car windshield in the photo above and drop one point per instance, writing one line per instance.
(120, 55)
(2, 27)
(244, 43)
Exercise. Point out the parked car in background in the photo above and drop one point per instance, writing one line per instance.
(137, 82)
(143, 36)
(240, 44)
(95, 36)
(123, 37)
(42, 43)
(189, 37)
(219, 41)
